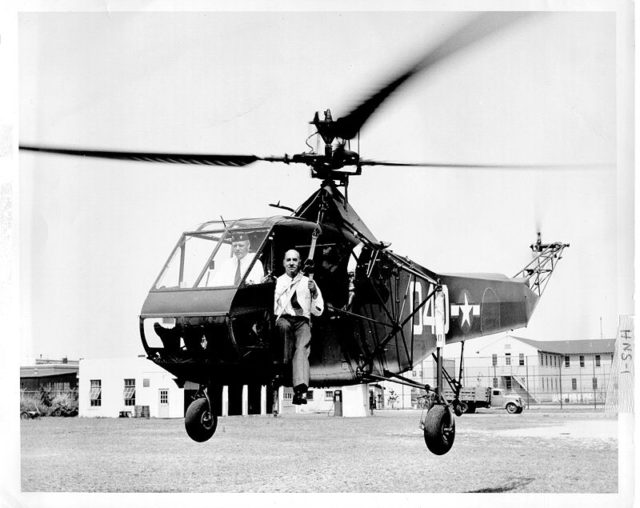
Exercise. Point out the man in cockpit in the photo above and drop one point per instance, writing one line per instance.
(296, 298)
(229, 272)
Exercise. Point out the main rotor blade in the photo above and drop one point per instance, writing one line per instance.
(171, 158)
(447, 165)
(474, 31)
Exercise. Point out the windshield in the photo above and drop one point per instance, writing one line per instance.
(214, 258)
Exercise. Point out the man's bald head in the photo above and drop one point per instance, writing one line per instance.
(292, 262)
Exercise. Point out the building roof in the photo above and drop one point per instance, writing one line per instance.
(566, 347)
(48, 370)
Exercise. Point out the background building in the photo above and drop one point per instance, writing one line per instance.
(138, 387)
(133, 386)
(54, 376)
(575, 371)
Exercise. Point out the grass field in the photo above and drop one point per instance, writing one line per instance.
(572, 452)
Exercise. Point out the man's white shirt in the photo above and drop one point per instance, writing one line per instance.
(224, 274)
(291, 290)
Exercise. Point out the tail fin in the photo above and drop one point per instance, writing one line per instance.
(538, 272)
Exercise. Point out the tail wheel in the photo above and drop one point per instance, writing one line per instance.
(439, 430)
(512, 408)
(24, 415)
(199, 422)
(459, 407)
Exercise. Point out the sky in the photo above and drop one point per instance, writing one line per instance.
(94, 234)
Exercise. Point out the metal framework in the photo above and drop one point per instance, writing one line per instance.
(539, 270)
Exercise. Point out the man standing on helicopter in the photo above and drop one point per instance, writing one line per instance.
(297, 297)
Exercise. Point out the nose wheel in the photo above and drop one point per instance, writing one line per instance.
(199, 421)
(439, 429)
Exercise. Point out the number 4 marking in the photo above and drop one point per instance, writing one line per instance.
(426, 316)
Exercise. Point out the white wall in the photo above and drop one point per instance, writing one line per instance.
(112, 372)
(355, 401)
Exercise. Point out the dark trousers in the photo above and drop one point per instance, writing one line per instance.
(295, 333)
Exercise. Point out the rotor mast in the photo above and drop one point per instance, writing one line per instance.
(330, 165)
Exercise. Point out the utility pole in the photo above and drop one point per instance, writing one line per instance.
(526, 369)
(593, 380)
(560, 362)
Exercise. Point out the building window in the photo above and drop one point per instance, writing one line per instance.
(129, 392)
(508, 383)
(521, 359)
(507, 358)
(310, 395)
(574, 384)
(287, 395)
(96, 392)
(567, 362)
(495, 382)
(597, 360)
(494, 360)
(595, 383)
(145, 382)
(328, 395)
(164, 396)
(581, 360)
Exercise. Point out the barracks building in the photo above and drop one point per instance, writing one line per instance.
(549, 371)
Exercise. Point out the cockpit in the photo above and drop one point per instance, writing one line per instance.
(217, 254)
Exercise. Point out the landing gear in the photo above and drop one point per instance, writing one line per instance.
(439, 430)
(471, 408)
(200, 422)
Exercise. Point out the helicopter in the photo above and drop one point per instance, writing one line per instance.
(385, 312)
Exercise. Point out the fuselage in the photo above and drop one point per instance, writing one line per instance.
(381, 309)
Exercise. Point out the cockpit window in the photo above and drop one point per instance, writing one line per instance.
(214, 258)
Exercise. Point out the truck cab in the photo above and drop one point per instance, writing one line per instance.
(511, 402)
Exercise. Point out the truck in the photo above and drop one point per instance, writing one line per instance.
(471, 398)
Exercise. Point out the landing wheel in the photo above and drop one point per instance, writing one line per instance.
(471, 408)
(512, 408)
(439, 430)
(199, 421)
